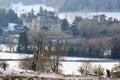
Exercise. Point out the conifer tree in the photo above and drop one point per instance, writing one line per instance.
(23, 43)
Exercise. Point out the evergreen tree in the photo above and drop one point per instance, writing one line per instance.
(23, 43)
(75, 31)
(1, 31)
(64, 25)
(41, 11)
(12, 16)
(77, 20)
(8, 16)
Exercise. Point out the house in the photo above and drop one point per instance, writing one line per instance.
(48, 22)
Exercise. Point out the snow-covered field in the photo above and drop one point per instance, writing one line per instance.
(72, 67)
(4, 55)
(67, 67)
(13, 64)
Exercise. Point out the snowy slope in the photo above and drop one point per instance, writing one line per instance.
(26, 73)
(19, 8)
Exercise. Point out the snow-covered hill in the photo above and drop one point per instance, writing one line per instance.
(19, 8)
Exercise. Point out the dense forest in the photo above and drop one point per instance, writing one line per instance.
(72, 5)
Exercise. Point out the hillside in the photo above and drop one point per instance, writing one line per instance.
(72, 5)
(91, 5)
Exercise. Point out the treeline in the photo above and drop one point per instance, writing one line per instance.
(98, 26)
(8, 16)
(95, 48)
(98, 37)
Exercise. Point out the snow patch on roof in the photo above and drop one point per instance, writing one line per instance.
(11, 26)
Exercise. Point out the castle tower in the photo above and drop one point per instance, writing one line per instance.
(33, 24)
(38, 22)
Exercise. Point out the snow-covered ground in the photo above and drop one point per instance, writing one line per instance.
(72, 67)
(26, 73)
(13, 64)
(82, 58)
(4, 55)
(67, 67)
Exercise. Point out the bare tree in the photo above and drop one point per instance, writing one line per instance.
(85, 68)
(56, 52)
(116, 71)
(98, 70)
(38, 49)
(37, 62)
(4, 65)
(45, 59)
(11, 44)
